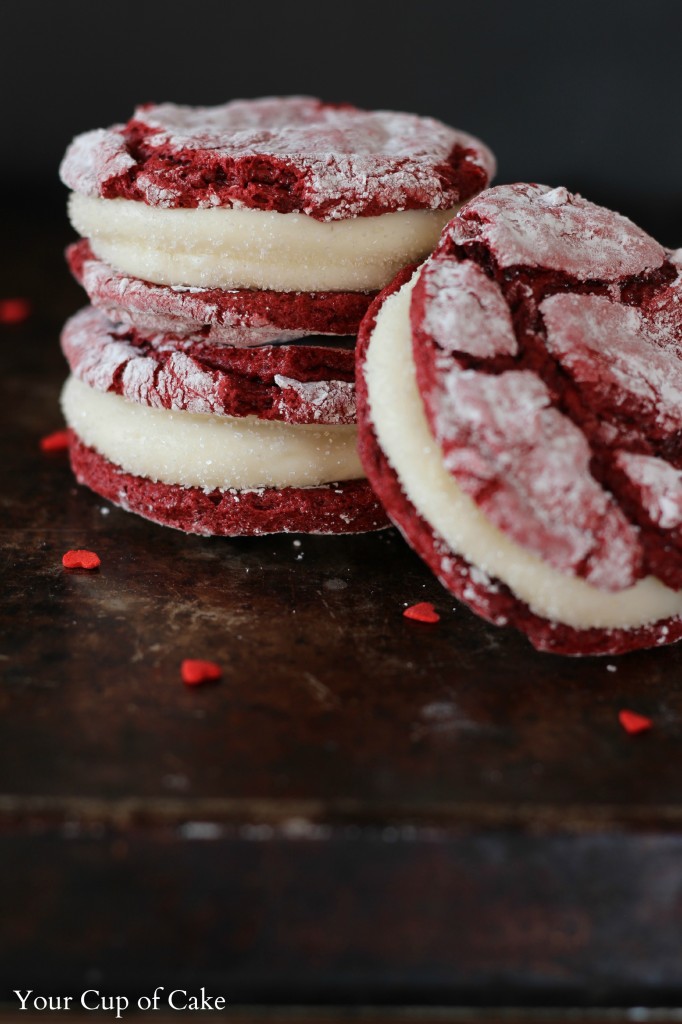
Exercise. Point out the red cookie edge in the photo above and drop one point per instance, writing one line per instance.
(347, 507)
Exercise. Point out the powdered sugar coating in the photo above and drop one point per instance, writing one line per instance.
(293, 153)
(191, 374)
(528, 468)
(536, 226)
(548, 437)
(324, 401)
(98, 155)
(614, 348)
(242, 318)
(460, 306)
(659, 485)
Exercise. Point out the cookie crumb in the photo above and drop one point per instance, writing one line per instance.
(422, 612)
(634, 723)
(81, 560)
(195, 671)
(58, 441)
(14, 311)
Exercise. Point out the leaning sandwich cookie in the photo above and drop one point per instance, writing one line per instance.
(520, 409)
(230, 254)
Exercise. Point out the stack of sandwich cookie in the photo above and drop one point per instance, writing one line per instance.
(229, 254)
(520, 408)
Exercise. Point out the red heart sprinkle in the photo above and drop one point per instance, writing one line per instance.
(422, 612)
(14, 311)
(55, 442)
(634, 723)
(195, 671)
(80, 560)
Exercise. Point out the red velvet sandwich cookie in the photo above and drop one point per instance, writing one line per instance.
(243, 317)
(285, 194)
(216, 440)
(520, 408)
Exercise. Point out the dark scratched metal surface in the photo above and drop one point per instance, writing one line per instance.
(364, 809)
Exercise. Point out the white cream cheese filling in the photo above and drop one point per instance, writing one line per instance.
(207, 451)
(403, 434)
(242, 248)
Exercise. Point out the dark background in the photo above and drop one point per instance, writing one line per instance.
(584, 94)
(492, 834)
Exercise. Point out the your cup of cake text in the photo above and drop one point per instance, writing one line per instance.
(92, 1000)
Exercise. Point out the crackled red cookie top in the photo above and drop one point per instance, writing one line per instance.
(548, 345)
(293, 153)
(553, 229)
(292, 383)
(242, 318)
